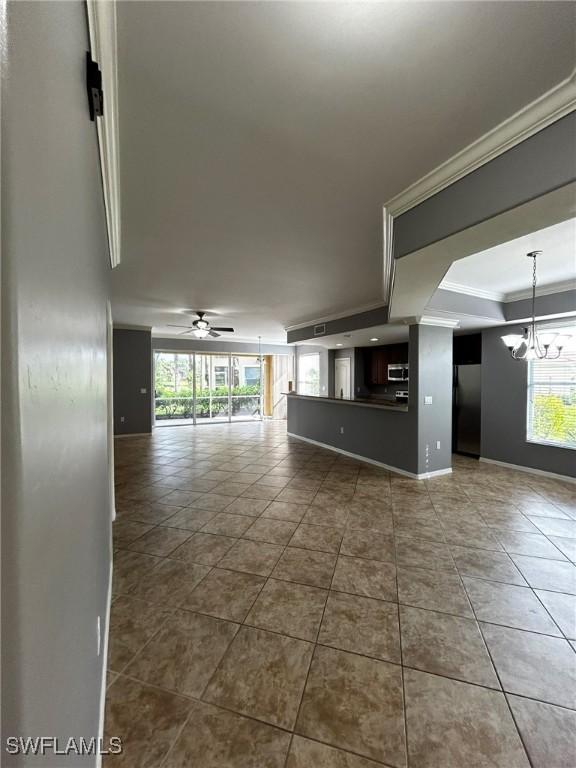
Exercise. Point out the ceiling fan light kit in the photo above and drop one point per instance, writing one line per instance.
(201, 328)
(533, 344)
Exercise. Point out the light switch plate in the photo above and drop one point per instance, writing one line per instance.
(143, 390)
(427, 399)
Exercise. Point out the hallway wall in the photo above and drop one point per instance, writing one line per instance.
(56, 529)
(132, 374)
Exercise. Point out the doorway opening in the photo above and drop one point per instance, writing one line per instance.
(342, 378)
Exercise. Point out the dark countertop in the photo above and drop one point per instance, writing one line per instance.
(388, 405)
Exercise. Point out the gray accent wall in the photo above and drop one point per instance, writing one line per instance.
(355, 322)
(540, 164)
(56, 512)
(563, 302)
(385, 436)
(504, 408)
(402, 439)
(132, 374)
(470, 306)
(551, 304)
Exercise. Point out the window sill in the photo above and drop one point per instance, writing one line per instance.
(551, 444)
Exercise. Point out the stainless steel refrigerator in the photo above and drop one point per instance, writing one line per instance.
(466, 405)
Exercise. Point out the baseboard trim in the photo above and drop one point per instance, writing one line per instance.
(436, 473)
(104, 654)
(133, 434)
(530, 470)
(389, 467)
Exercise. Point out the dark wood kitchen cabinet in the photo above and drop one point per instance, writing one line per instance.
(379, 358)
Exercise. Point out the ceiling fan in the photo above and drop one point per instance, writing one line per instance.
(202, 328)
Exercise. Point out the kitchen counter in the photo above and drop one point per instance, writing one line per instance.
(383, 405)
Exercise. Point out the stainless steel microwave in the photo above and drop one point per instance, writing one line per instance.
(398, 372)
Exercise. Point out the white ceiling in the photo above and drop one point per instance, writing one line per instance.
(504, 272)
(260, 140)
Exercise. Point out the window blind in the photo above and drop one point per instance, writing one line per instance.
(552, 395)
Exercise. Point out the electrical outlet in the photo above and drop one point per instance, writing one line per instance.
(437, 445)
(143, 390)
(122, 419)
(341, 430)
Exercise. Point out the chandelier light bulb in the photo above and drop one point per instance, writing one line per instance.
(534, 345)
(512, 340)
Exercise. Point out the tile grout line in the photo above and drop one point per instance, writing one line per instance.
(312, 657)
(330, 590)
(497, 673)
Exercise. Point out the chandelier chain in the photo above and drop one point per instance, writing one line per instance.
(530, 346)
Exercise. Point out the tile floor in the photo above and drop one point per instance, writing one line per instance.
(276, 605)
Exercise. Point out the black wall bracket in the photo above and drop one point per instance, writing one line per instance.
(94, 88)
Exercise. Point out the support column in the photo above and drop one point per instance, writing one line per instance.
(430, 391)
(266, 386)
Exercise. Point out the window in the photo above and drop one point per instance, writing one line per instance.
(220, 375)
(309, 374)
(552, 398)
(252, 375)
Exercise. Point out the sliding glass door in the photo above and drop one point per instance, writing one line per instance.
(173, 387)
(246, 390)
(202, 388)
(212, 398)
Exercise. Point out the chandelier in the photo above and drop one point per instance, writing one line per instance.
(533, 344)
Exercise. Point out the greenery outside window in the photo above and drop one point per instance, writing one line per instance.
(197, 387)
(252, 375)
(551, 417)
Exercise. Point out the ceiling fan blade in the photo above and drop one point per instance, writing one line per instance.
(185, 332)
(212, 333)
(225, 330)
(178, 326)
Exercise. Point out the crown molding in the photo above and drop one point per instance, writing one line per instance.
(443, 322)
(440, 320)
(545, 110)
(103, 45)
(467, 290)
(544, 290)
